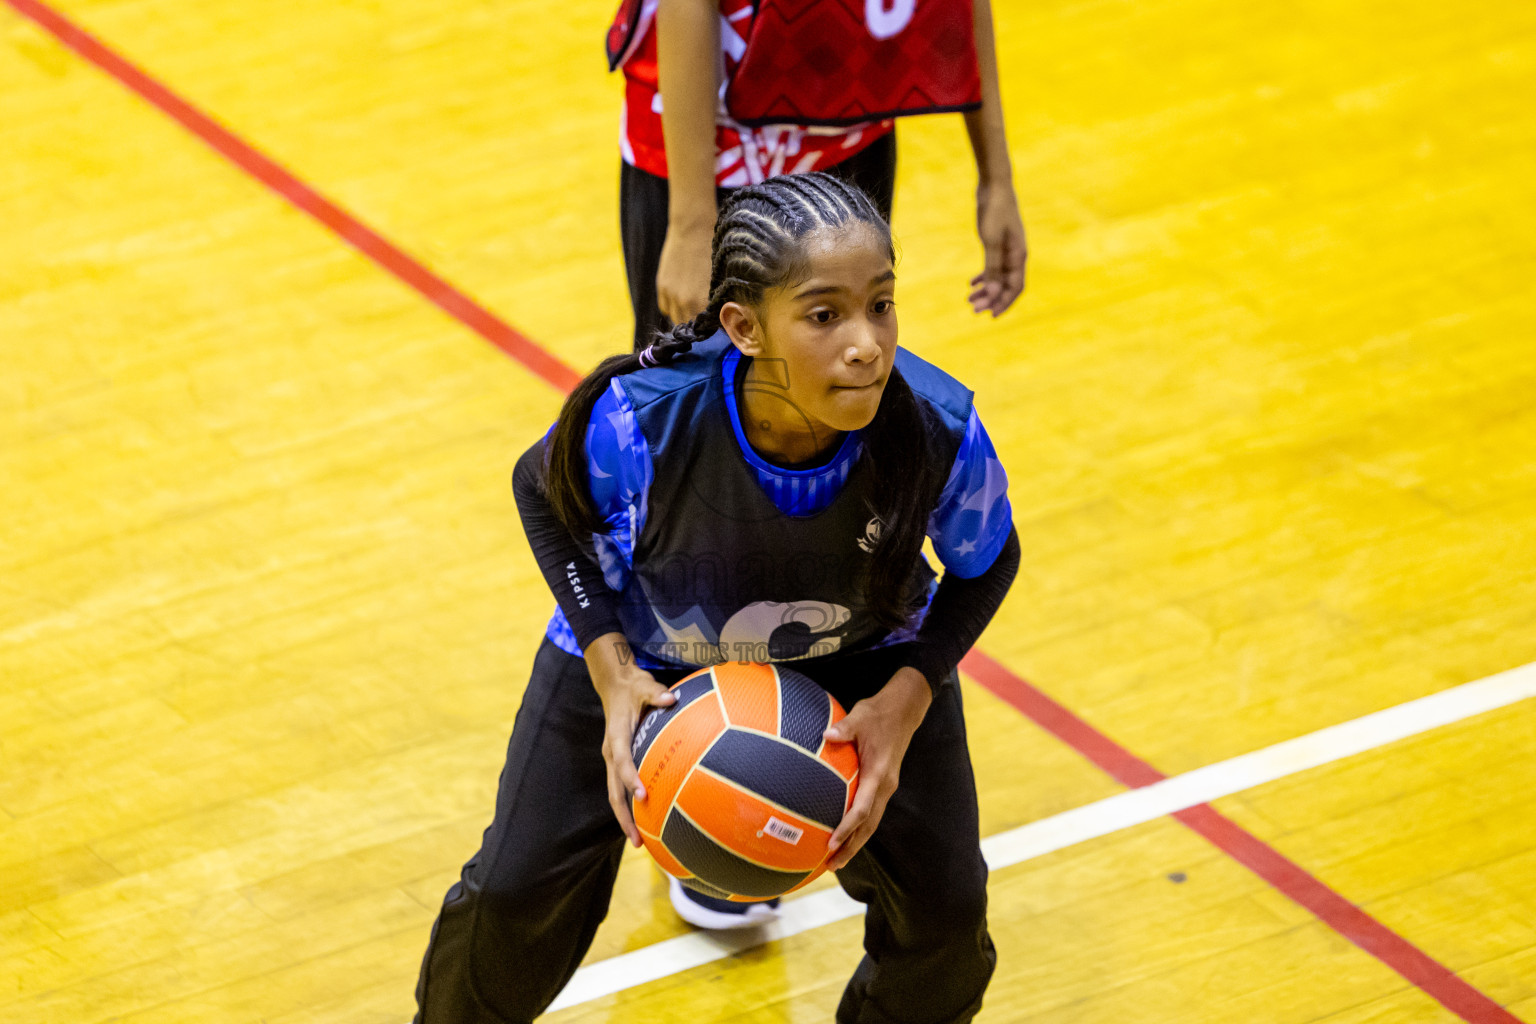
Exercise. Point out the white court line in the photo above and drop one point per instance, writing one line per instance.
(1090, 821)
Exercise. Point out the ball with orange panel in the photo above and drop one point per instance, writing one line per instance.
(742, 791)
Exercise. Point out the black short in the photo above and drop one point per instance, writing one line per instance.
(643, 222)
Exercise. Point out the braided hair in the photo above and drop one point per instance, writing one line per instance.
(758, 246)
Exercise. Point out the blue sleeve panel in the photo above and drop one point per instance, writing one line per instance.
(972, 519)
(619, 474)
(973, 515)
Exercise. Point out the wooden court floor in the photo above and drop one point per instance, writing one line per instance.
(1268, 408)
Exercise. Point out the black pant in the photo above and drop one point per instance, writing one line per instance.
(643, 222)
(515, 926)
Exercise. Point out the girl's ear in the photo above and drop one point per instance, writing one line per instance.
(740, 323)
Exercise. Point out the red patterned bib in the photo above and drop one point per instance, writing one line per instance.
(837, 62)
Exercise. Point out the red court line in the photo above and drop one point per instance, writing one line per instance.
(1335, 911)
(1247, 849)
(356, 234)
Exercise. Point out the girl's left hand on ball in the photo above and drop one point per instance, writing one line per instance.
(880, 727)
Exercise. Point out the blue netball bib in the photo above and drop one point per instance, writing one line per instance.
(719, 572)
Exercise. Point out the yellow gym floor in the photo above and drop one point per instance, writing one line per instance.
(1268, 408)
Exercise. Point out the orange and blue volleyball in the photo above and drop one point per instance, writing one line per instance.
(742, 790)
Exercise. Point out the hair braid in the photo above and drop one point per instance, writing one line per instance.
(757, 246)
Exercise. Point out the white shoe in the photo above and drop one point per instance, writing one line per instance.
(718, 915)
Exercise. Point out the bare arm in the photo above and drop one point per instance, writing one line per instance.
(688, 57)
(997, 206)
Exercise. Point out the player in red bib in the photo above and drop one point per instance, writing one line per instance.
(786, 86)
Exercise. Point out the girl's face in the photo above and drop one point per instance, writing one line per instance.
(823, 345)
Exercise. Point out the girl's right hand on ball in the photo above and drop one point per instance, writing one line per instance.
(627, 692)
